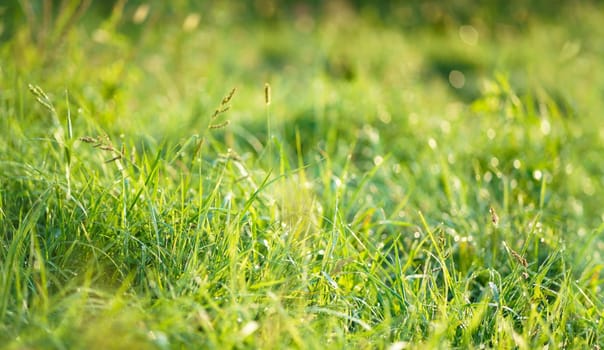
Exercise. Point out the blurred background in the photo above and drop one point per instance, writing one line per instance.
(523, 80)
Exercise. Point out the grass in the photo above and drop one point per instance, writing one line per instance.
(341, 196)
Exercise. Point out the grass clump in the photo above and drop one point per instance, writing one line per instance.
(364, 199)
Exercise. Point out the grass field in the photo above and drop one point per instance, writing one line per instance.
(286, 175)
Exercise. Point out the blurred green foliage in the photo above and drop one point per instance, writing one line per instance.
(411, 14)
(395, 128)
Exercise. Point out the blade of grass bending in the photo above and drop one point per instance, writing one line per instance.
(440, 258)
(151, 174)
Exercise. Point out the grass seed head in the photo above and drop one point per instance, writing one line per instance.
(88, 139)
(41, 97)
(267, 93)
(228, 98)
(521, 260)
(219, 126)
(223, 108)
(494, 217)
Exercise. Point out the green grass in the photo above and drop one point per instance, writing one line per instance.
(353, 211)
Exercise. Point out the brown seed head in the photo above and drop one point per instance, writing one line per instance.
(494, 217)
(228, 98)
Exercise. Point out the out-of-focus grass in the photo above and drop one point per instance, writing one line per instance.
(129, 220)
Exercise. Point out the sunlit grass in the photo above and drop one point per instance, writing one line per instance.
(349, 192)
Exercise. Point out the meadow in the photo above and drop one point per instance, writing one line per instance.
(277, 174)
